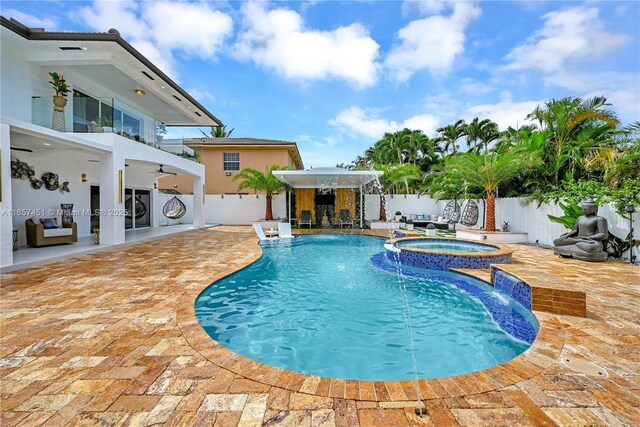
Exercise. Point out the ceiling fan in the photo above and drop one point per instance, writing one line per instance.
(160, 170)
(26, 150)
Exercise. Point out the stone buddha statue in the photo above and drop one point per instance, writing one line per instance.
(585, 241)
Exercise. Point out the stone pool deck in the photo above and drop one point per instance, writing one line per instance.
(110, 339)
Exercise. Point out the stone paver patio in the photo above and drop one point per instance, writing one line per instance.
(110, 339)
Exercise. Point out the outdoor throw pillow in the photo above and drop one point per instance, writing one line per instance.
(49, 223)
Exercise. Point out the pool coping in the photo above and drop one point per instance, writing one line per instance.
(544, 351)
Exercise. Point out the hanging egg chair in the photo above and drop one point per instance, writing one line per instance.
(140, 208)
(470, 214)
(174, 208)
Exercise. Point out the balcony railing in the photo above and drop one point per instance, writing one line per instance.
(84, 114)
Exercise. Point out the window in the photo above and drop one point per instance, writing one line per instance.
(231, 162)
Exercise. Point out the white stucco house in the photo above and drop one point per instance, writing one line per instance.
(106, 142)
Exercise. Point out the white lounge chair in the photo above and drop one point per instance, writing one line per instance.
(284, 230)
(259, 232)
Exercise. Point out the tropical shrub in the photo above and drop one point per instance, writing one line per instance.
(262, 181)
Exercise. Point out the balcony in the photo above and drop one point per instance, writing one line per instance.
(87, 114)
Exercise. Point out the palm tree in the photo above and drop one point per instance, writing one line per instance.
(262, 181)
(565, 119)
(218, 132)
(487, 171)
(450, 134)
(402, 174)
(619, 166)
(473, 130)
(490, 133)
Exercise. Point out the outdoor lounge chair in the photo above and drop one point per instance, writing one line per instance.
(345, 218)
(259, 232)
(305, 219)
(284, 230)
(38, 236)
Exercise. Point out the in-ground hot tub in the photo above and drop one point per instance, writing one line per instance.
(443, 254)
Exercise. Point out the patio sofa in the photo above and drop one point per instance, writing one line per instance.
(37, 235)
(424, 220)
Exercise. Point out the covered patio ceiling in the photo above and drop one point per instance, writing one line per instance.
(326, 178)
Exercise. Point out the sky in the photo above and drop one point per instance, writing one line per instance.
(335, 76)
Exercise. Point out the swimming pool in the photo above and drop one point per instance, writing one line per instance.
(332, 306)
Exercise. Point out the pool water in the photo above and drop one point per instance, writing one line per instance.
(445, 246)
(317, 305)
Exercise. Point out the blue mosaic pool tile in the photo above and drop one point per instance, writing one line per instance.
(435, 261)
(505, 315)
(513, 287)
(398, 234)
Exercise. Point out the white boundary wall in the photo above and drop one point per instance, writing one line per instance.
(234, 209)
(521, 216)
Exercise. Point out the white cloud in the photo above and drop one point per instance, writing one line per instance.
(30, 20)
(622, 89)
(327, 141)
(473, 87)
(277, 39)
(158, 29)
(191, 27)
(560, 50)
(423, 7)
(358, 122)
(431, 43)
(568, 36)
(202, 95)
(505, 113)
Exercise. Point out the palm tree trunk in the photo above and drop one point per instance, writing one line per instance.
(491, 211)
(383, 210)
(269, 215)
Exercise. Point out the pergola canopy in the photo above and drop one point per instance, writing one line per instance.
(326, 178)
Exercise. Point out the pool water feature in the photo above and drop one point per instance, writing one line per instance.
(331, 305)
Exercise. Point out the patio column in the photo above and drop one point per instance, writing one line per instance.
(112, 179)
(157, 208)
(6, 204)
(198, 202)
(361, 205)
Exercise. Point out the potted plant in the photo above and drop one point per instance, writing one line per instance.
(403, 224)
(410, 224)
(101, 124)
(431, 230)
(398, 215)
(61, 88)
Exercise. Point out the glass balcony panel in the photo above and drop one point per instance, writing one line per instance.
(88, 114)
